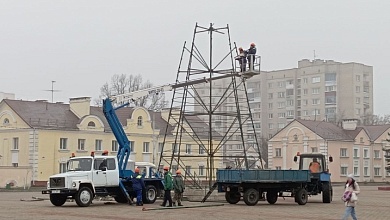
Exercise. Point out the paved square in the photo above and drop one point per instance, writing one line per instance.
(373, 204)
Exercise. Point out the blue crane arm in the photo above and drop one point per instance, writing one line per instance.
(119, 133)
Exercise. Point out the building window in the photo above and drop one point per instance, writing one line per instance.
(357, 111)
(305, 112)
(239, 146)
(139, 121)
(160, 147)
(132, 146)
(377, 154)
(270, 96)
(188, 148)
(344, 171)
(201, 149)
(15, 164)
(366, 171)
(356, 152)
(81, 144)
(361, 140)
(278, 167)
(377, 171)
(356, 171)
(91, 124)
(146, 147)
(281, 115)
(315, 112)
(281, 125)
(357, 89)
(290, 92)
(290, 113)
(15, 143)
(315, 91)
(330, 76)
(201, 170)
(188, 169)
(316, 79)
(366, 153)
(63, 143)
(6, 121)
(63, 168)
(316, 101)
(270, 116)
(280, 84)
(278, 152)
(314, 149)
(330, 88)
(305, 80)
(281, 104)
(305, 91)
(343, 152)
(114, 146)
(270, 105)
(357, 100)
(281, 94)
(98, 145)
(358, 78)
(174, 148)
(270, 126)
(269, 85)
(305, 102)
(290, 102)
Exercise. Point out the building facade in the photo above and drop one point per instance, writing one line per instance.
(315, 90)
(356, 150)
(37, 138)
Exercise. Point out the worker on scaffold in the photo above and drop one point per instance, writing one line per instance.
(251, 52)
(241, 59)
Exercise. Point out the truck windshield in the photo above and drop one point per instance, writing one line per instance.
(312, 164)
(80, 164)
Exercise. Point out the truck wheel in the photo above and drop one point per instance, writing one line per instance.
(84, 197)
(251, 197)
(301, 197)
(232, 197)
(272, 197)
(57, 200)
(326, 192)
(150, 194)
(120, 199)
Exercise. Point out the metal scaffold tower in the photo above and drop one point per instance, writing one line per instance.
(210, 123)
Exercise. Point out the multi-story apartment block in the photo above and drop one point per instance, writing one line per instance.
(315, 90)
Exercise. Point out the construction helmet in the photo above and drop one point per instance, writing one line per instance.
(136, 170)
(178, 172)
(240, 49)
(253, 44)
(166, 168)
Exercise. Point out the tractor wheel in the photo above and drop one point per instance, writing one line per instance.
(57, 199)
(326, 192)
(232, 197)
(301, 197)
(251, 197)
(272, 197)
(84, 197)
(150, 194)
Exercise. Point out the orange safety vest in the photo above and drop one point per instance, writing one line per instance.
(314, 167)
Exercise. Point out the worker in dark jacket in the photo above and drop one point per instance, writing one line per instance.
(251, 52)
(168, 185)
(241, 58)
(178, 187)
(138, 186)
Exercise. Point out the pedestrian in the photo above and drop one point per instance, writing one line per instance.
(352, 189)
(178, 187)
(251, 52)
(167, 187)
(241, 59)
(138, 186)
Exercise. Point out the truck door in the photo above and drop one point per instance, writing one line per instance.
(99, 176)
(112, 173)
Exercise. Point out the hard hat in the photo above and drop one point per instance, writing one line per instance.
(240, 48)
(105, 151)
(166, 168)
(136, 170)
(253, 44)
(178, 172)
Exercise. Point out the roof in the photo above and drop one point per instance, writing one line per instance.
(326, 130)
(375, 131)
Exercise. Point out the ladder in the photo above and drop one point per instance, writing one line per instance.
(210, 191)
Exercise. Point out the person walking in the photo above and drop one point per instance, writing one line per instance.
(251, 52)
(352, 189)
(241, 59)
(138, 186)
(178, 187)
(168, 185)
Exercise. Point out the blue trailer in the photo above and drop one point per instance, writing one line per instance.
(255, 185)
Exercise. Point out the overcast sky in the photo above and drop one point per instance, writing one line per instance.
(81, 44)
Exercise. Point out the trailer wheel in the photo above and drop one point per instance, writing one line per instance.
(150, 194)
(301, 197)
(251, 197)
(233, 197)
(272, 197)
(326, 192)
(84, 197)
(57, 199)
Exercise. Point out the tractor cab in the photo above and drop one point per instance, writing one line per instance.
(315, 163)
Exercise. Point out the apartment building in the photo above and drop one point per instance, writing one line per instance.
(355, 149)
(315, 90)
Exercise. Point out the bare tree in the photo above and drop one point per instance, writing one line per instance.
(371, 119)
(121, 83)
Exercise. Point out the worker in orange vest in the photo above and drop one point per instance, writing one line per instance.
(315, 166)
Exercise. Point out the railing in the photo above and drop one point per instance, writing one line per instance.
(247, 64)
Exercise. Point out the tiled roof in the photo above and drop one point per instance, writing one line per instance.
(326, 130)
(374, 131)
